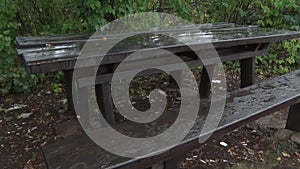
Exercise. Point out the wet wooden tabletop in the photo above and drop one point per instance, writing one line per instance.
(60, 52)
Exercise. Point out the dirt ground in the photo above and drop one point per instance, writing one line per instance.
(28, 121)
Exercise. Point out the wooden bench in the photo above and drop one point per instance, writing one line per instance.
(242, 106)
(232, 42)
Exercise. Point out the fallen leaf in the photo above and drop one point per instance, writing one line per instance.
(202, 161)
(285, 154)
(232, 153)
(24, 115)
(250, 151)
(16, 107)
(261, 159)
(212, 161)
(223, 144)
(188, 159)
(28, 165)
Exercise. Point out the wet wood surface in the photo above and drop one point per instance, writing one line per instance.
(53, 53)
(242, 106)
(231, 42)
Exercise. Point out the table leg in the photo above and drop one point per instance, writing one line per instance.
(205, 82)
(82, 96)
(68, 74)
(104, 100)
(248, 73)
(294, 118)
(83, 106)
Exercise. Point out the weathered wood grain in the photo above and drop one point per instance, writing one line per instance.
(59, 51)
(243, 106)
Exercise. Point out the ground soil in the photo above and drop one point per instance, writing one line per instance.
(22, 139)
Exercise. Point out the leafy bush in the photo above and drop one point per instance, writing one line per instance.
(279, 14)
(282, 14)
(36, 17)
(283, 58)
(12, 76)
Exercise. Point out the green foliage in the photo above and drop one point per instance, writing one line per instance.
(42, 77)
(282, 14)
(293, 47)
(12, 76)
(284, 58)
(232, 65)
(57, 88)
(51, 17)
(278, 14)
(267, 13)
(236, 11)
(59, 76)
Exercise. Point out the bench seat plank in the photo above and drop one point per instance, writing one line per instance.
(242, 106)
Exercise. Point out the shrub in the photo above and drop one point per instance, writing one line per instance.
(279, 14)
(12, 76)
(36, 17)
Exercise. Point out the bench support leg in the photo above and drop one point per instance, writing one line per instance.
(248, 73)
(68, 81)
(294, 118)
(205, 81)
(104, 100)
(173, 163)
(83, 106)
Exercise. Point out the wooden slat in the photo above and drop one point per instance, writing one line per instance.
(243, 106)
(38, 41)
(195, 35)
(63, 63)
(192, 33)
(47, 43)
(89, 81)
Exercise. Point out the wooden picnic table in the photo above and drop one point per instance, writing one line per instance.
(231, 41)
